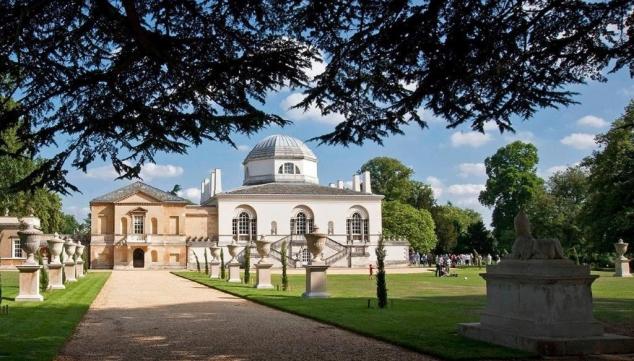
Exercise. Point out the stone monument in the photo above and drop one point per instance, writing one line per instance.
(55, 271)
(79, 261)
(539, 301)
(30, 269)
(263, 267)
(214, 265)
(316, 270)
(621, 263)
(233, 265)
(69, 264)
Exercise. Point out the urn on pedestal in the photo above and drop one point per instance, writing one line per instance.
(316, 271)
(30, 270)
(69, 265)
(55, 272)
(233, 265)
(214, 271)
(79, 260)
(621, 263)
(263, 267)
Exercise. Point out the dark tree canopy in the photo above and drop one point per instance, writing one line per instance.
(123, 79)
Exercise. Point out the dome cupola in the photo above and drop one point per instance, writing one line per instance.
(280, 158)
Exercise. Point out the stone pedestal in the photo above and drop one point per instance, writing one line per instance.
(69, 271)
(55, 277)
(316, 281)
(29, 283)
(622, 267)
(79, 269)
(214, 270)
(543, 306)
(234, 272)
(263, 275)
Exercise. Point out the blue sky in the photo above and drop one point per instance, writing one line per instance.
(451, 160)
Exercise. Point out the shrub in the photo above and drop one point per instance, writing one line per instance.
(284, 265)
(247, 263)
(206, 262)
(43, 272)
(381, 287)
(197, 261)
(223, 273)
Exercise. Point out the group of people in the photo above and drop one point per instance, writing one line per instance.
(444, 262)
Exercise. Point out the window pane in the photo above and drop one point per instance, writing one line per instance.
(17, 251)
(289, 168)
(137, 225)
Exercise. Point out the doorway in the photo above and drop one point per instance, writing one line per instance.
(138, 258)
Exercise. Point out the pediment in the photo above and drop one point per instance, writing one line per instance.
(139, 197)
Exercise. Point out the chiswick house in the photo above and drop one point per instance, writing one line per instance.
(142, 227)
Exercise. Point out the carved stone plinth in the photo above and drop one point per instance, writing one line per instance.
(622, 268)
(543, 306)
(29, 283)
(263, 275)
(69, 271)
(79, 269)
(316, 281)
(55, 276)
(234, 272)
(214, 270)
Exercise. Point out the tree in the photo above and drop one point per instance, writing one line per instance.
(381, 285)
(451, 222)
(40, 202)
(247, 263)
(421, 196)
(284, 252)
(69, 225)
(223, 272)
(206, 261)
(389, 177)
(415, 225)
(608, 212)
(125, 80)
(511, 185)
(477, 238)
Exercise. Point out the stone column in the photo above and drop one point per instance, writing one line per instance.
(30, 270)
(69, 265)
(263, 268)
(233, 265)
(621, 263)
(55, 271)
(316, 271)
(214, 265)
(79, 263)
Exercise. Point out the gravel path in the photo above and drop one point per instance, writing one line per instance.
(154, 315)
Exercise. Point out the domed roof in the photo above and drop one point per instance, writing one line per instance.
(280, 146)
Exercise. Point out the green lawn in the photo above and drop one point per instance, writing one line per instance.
(425, 309)
(36, 331)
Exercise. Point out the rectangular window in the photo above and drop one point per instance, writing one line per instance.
(17, 251)
(137, 225)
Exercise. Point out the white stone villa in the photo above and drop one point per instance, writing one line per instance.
(139, 226)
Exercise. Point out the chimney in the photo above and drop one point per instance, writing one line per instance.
(367, 183)
(340, 184)
(210, 183)
(356, 183)
(204, 191)
(218, 181)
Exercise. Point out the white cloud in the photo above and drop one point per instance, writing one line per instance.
(472, 169)
(436, 186)
(244, 148)
(592, 121)
(465, 189)
(490, 126)
(148, 172)
(554, 169)
(316, 68)
(193, 194)
(579, 141)
(311, 114)
(470, 139)
(628, 91)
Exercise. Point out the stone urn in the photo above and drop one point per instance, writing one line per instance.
(79, 251)
(55, 248)
(30, 242)
(233, 251)
(316, 243)
(264, 248)
(215, 252)
(69, 248)
(621, 248)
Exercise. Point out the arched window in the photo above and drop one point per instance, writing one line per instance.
(124, 225)
(245, 227)
(331, 228)
(288, 168)
(301, 223)
(357, 227)
(274, 228)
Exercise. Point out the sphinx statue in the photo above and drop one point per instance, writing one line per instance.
(527, 247)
